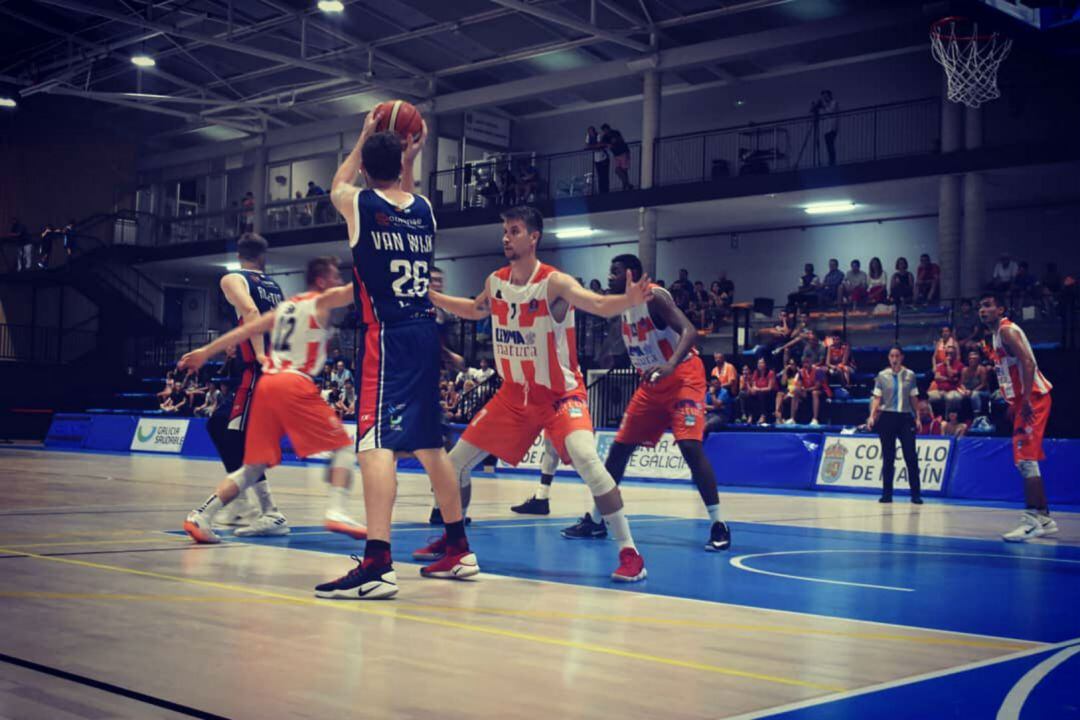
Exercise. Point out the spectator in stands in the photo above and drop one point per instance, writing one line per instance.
(701, 306)
(321, 205)
(832, 284)
(805, 345)
(854, 287)
(329, 392)
(1023, 287)
(838, 365)
(830, 122)
(683, 284)
(70, 239)
(165, 392)
(813, 382)
(528, 183)
(946, 341)
(724, 373)
(781, 333)
(743, 401)
(945, 389)
(210, 401)
(194, 389)
(808, 289)
(787, 391)
(601, 161)
(762, 391)
(967, 328)
(247, 217)
(340, 374)
(1004, 272)
(45, 246)
(902, 287)
(346, 403)
(176, 401)
(20, 236)
(927, 281)
(877, 283)
(620, 153)
(953, 427)
(975, 383)
(926, 423)
(716, 410)
(302, 212)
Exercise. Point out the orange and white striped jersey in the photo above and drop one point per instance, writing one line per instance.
(1008, 367)
(648, 346)
(531, 346)
(297, 340)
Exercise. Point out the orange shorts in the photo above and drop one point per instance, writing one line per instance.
(676, 403)
(288, 403)
(508, 424)
(1027, 437)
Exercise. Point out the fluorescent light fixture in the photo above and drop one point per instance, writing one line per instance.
(7, 102)
(331, 6)
(574, 232)
(232, 266)
(143, 60)
(823, 208)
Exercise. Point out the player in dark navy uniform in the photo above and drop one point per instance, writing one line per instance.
(392, 235)
(251, 292)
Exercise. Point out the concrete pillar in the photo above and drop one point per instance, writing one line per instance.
(650, 125)
(647, 239)
(949, 201)
(259, 188)
(974, 236)
(429, 156)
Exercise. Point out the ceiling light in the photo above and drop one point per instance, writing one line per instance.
(822, 208)
(331, 6)
(232, 266)
(143, 60)
(574, 232)
(7, 102)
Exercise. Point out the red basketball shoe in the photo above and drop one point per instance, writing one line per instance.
(631, 566)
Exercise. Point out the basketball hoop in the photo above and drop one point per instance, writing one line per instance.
(970, 60)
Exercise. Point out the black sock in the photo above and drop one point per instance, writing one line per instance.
(378, 551)
(455, 532)
(546, 479)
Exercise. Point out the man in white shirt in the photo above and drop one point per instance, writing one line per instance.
(1004, 273)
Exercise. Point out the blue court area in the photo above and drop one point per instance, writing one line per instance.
(987, 587)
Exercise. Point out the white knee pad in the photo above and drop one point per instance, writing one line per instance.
(246, 476)
(581, 447)
(464, 457)
(343, 458)
(1028, 469)
(549, 461)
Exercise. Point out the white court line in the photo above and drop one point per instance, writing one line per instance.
(1014, 701)
(813, 702)
(740, 563)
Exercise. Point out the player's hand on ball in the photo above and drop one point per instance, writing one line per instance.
(639, 292)
(192, 360)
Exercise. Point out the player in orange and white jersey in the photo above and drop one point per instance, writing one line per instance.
(287, 402)
(531, 306)
(1027, 392)
(660, 341)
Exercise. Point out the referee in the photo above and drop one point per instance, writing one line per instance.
(892, 411)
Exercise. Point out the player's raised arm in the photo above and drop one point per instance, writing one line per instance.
(338, 297)
(342, 188)
(198, 357)
(567, 288)
(236, 292)
(465, 308)
(411, 148)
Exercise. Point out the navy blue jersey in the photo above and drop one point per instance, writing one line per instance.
(266, 294)
(393, 253)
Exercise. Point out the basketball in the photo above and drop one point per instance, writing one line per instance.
(400, 116)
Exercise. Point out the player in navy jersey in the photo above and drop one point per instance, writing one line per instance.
(251, 292)
(392, 236)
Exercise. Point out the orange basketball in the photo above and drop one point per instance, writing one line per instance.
(400, 116)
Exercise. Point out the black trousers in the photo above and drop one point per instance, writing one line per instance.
(603, 177)
(890, 426)
(830, 146)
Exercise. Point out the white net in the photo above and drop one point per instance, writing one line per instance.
(970, 60)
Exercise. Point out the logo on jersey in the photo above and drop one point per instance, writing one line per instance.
(382, 219)
(515, 337)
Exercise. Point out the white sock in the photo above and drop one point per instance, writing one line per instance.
(335, 501)
(544, 492)
(211, 506)
(266, 500)
(714, 512)
(595, 514)
(619, 527)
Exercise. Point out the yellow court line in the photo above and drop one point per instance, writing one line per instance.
(172, 539)
(76, 534)
(512, 634)
(38, 595)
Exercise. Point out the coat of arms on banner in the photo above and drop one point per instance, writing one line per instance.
(833, 465)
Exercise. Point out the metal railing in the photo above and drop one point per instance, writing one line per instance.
(28, 343)
(609, 394)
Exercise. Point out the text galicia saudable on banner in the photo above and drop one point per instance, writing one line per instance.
(153, 435)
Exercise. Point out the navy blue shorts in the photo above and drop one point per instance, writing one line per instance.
(397, 395)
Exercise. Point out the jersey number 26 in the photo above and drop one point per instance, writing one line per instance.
(404, 272)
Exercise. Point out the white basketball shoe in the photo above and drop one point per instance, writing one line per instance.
(269, 525)
(1032, 525)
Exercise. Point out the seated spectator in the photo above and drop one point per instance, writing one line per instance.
(1049, 289)
(926, 423)
(176, 402)
(715, 408)
(806, 344)
(808, 290)
(724, 373)
(902, 287)
(329, 392)
(528, 183)
(812, 382)
(596, 287)
(975, 383)
(762, 391)
(194, 389)
(683, 284)
(877, 283)
(953, 427)
(854, 288)
(967, 327)
(340, 374)
(482, 374)
(927, 281)
(1023, 288)
(832, 284)
(210, 402)
(789, 388)
(944, 343)
(701, 306)
(1004, 272)
(838, 365)
(170, 382)
(727, 287)
(743, 400)
(945, 389)
(781, 333)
